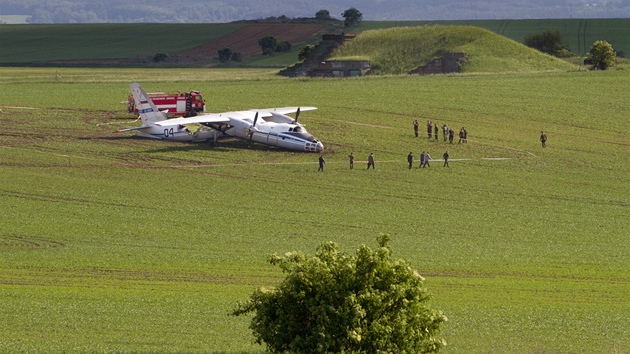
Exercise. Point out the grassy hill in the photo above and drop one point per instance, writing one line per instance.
(578, 34)
(402, 49)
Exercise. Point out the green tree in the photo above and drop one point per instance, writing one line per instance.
(283, 46)
(549, 42)
(237, 57)
(268, 44)
(352, 17)
(337, 302)
(160, 57)
(305, 52)
(602, 54)
(322, 15)
(225, 54)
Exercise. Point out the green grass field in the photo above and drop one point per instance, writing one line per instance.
(113, 243)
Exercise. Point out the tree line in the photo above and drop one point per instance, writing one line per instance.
(601, 56)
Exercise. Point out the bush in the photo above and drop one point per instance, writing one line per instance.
(284, 46)
(336, 302)
(549, 42)
(305, 52)
(237, 57)
(323, 15)
(225, 54)
(160, 57)
(268, 44)
(602, 54)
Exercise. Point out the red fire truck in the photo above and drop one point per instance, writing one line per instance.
(181, 104)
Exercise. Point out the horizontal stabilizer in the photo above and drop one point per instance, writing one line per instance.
(132, 129)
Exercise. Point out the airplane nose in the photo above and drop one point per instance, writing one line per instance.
(319, 147)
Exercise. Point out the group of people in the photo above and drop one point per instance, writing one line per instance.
(351, 157)
(448, 133)
(425, 158)
(432, 131)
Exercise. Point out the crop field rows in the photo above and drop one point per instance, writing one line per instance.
(114, 243)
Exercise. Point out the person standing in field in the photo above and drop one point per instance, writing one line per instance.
(427, 157)
(371, 160)
(461, 135)
(410, 160)
(451, 135)
(321, 163)
(351, 157)
(421, 160)
(465, 134)
(445, 131)
(543, 139)
(429, 128)
(446, 156)
(416, 126)
(436, 130)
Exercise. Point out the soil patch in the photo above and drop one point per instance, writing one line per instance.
(245, 41)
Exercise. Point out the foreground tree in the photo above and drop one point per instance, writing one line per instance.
(336, 302)
(352, 17)
(602, 54)
(549, 42)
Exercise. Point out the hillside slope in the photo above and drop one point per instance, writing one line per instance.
(578, 33)
(400, 50)
(136, 44)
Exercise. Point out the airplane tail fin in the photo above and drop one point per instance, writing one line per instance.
(149, 113)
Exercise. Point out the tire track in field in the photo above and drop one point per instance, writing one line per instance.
(27, 242)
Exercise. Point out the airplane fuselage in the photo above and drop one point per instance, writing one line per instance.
(177, 133)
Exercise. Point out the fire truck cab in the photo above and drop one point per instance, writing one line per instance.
(181, 104)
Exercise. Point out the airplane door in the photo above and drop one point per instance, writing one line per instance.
(272, 139)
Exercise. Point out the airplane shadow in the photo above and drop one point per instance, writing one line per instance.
(225, 146)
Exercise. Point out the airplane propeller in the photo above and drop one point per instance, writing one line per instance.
(297, 115)
(253, 128)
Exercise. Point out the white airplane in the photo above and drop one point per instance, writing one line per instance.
(269, 126)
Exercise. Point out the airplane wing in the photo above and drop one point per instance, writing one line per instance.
(266, 112)
(224, 118)
(204, 118)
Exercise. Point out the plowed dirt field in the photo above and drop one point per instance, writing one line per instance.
(246, 40)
